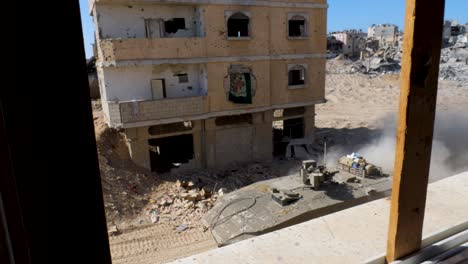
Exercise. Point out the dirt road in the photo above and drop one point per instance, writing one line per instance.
(158, 244)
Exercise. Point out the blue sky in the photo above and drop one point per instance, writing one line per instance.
(342, 14)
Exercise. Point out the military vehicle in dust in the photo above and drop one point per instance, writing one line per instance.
(357, 165)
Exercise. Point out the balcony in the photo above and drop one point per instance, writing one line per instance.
(125, 113)
(152, 49)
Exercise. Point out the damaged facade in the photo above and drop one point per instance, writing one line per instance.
(348, 42)
(454, 33)
(386, 34)
(196, 84)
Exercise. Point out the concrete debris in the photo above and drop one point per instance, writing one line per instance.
(387, 60)
(352, 179)
(221, 191)
(454, 64)
(180, 202)
(383, 60)
(182, 227)
(154, 216)
(113, 231)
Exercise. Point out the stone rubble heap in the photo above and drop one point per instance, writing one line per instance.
(181, 203)
(387, 60)
(186, 201)
(382, 61)
(454, 64)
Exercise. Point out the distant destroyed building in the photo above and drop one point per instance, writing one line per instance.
(454, 32)
(348, 42)
(195, 84)
(386, 34)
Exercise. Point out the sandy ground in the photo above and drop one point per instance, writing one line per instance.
(158, 244)
(357, 110)
(355, 100)
(360, 115)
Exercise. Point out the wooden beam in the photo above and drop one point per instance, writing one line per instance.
(418, 94)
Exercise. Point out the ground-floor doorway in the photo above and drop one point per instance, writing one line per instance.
(170, 152)
(284, 131)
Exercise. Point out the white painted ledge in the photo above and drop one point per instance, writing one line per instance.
(349, 236)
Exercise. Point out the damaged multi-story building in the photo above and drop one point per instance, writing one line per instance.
(386, 34)
(195, 84)
(348, 42)
(452, 31)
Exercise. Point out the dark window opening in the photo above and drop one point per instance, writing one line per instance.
(173, 25)
(334, 45)
(455, 31)
(238, 25)
(296, 77)
(284, 131)
(297, 28)
(170, 152)
(183, 78)
(234, 120)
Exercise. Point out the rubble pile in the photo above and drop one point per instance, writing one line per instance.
(134, 196)
(383, 60)
(181, 203)
(454, 64)
(387, 60)
(185, 201)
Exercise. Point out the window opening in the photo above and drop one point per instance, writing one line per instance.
(183, 78)
(297, 27)
(296, 77)
(238, 25)
(173, 25)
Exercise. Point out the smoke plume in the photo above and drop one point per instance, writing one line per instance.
(449, 148)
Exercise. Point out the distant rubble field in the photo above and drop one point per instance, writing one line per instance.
(387, 60)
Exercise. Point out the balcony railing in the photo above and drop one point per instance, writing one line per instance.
(139, 111)
(152, 49)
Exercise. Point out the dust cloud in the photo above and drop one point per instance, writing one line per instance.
(449, 148)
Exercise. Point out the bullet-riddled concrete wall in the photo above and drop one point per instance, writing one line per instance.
(128, 21)
(271, 84)
(217, 72)
(268, 33)
(313, 89)
(268, 52)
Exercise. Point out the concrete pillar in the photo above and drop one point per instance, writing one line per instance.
(263, 136)
(197, 143)
(210, 142)
(139, 152)
(138, 148)
(309, 122)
